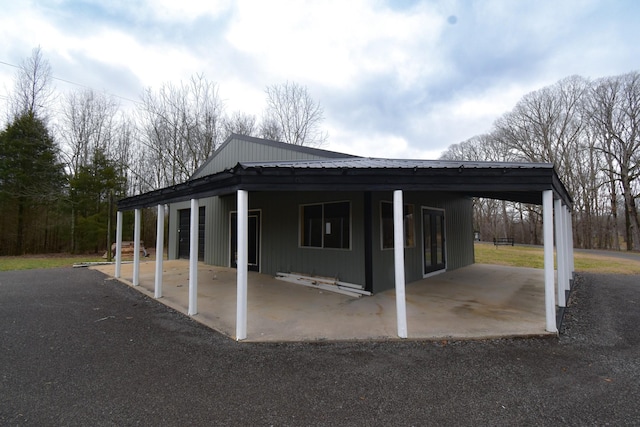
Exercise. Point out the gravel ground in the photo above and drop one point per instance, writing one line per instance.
(80, 349)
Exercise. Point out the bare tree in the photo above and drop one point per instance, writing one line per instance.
(493, 218)
(241, 123)
(89, 127)
(181, 126)
(32, 87)
(88, 124)
(591, 224)
(590, 132)
(297, 116)
(547, 126)
(615, 113)
(207, 111)
(124, 143)
(270, 129)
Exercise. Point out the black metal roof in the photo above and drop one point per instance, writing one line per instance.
(376, 163)
(519, 182)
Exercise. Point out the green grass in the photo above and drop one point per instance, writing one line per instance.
(44, 261)
(486, 253)
(532, 256)
(514, 256)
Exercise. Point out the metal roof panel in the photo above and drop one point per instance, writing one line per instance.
(378, 163)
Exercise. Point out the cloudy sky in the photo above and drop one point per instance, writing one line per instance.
(402, 79)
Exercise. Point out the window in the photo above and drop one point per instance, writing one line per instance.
(326, 225)
(386, 223)
(312, 226)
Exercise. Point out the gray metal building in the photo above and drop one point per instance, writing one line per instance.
(277, 223)
(321, 213)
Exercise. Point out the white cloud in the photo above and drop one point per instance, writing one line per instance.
(382, 145)
(165, 11)
(395, 81)
(335, 43)
(239, 96)
(152, 64)
(184, 10)
(26, 29)
(486, 105)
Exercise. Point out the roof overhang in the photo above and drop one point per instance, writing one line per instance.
(517, 182)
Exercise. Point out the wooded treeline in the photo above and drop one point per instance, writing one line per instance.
(590, 131)
(67, 157)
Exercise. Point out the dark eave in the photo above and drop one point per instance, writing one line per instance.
(504, 181)
(208, 186)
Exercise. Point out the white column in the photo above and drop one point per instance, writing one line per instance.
(136, 248)
(243, 256)
(118, 244)
(398, 252)
(567, 237)
(565, 257)
(159, 251)
(549, 297)
(193, 259)
(571, 261)
(560, 251)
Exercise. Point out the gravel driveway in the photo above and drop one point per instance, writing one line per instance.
(79, 349)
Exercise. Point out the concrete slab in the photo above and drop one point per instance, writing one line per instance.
(475, 302)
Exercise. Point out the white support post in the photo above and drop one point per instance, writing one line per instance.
(549, 294)
(565, 257)
(193, 259)
(242, 264)
(118, 271)
(159, 251)
(560, 251)
(567, 237)
(136, 247)
(398, 252)
(570, 228)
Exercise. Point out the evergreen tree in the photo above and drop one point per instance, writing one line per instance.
(92, 190)
(32, 182)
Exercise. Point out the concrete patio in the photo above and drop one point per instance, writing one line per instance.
(475, 302)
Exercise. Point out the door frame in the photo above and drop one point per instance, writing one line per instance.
(441, 212)
(233, 231)
(202, 233)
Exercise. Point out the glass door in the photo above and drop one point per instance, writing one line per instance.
(253, 238)
(433, 240)
(184, 233)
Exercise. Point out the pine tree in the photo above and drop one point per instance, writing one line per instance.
(32, 182)
(91, 190)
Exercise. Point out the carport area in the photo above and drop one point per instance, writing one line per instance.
(474, 302)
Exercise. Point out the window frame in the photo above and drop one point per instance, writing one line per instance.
(323, 228)
(409, 232)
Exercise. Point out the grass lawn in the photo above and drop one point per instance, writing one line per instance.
(486, 253)
(532, 256)
(29, 262)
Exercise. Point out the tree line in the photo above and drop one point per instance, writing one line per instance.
(590, 131)
(66, 157)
